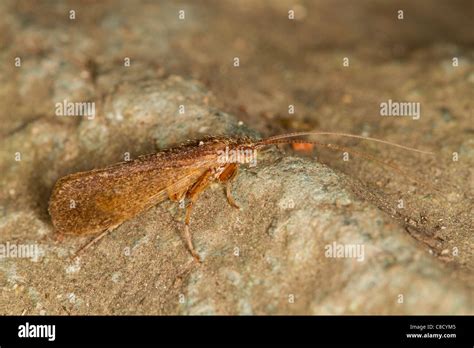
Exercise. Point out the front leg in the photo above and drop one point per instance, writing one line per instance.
(226, 177)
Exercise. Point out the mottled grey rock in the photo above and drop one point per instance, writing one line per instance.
(270, 257)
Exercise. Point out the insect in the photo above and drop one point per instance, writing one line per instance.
(97, 201)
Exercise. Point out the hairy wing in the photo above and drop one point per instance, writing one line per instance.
(90, 202)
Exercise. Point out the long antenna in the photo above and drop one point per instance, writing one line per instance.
(341, 148)
(356, 153)
(272, 140)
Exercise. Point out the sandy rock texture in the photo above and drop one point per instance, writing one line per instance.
(269, 257)
(281, 253)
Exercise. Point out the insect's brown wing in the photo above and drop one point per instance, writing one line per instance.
(91, 202)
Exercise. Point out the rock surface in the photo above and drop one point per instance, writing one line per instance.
(271, 257)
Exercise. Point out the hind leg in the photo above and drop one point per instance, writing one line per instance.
(193, 194)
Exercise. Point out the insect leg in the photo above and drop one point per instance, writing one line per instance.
(226, 177)
(177, 196)
(92, 242)
(193, 194)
